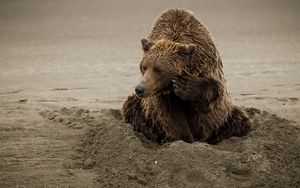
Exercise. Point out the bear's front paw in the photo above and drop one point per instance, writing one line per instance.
(183, 87)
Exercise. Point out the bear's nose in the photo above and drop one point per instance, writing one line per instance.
(139, 90)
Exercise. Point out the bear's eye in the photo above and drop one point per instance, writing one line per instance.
(157, 70)
(144, 68)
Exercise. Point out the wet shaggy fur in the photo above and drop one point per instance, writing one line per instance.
(196, 106)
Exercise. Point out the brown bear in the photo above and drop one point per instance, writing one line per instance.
(182, 94)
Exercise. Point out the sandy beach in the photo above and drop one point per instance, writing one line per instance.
(67, 67)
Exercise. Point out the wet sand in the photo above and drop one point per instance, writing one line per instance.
(57, 54)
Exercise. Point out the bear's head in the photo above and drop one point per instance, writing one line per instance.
(162, 61)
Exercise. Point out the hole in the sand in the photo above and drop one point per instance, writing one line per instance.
(240, 171)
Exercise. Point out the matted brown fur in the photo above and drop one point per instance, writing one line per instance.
(185, 96)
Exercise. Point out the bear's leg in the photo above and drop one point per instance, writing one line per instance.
(238, 124)
(134, 115)
(178, 131)
(171, 117)
(174, 123)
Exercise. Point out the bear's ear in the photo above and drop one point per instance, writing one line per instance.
(146, 44)
(186, 49)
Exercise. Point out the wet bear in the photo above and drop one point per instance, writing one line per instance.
(182, 94)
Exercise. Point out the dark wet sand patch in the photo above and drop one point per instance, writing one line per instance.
(11, 92)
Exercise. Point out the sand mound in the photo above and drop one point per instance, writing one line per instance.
(268, 156)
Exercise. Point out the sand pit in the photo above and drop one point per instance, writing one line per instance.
(268, 156)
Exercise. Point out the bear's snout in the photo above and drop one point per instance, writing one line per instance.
(139, 90)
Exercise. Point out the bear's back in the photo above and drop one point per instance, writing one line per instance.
(180, 26)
